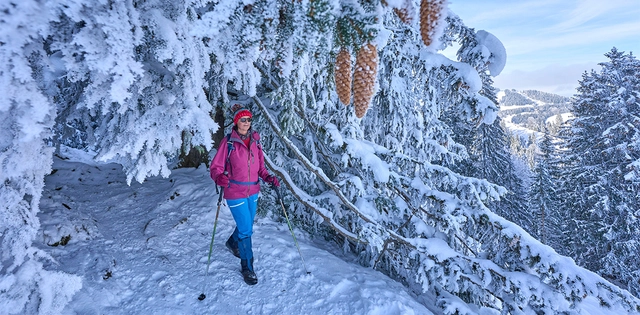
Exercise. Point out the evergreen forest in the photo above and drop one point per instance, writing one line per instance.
(383, 145)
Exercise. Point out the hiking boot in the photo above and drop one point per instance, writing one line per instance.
(247, 271)
(232, 245)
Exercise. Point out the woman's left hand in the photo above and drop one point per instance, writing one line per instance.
(272, 180)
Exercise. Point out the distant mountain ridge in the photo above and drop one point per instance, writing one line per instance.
(531, 108)
(512, 97)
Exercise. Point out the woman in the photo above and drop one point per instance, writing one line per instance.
(236, 167)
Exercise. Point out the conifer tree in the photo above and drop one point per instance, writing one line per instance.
(490, 157)
(27, 116)
(542, 196)
(601, 183)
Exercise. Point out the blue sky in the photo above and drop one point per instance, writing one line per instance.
(550, 44)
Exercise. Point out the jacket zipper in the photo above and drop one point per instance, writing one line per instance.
(249, 156)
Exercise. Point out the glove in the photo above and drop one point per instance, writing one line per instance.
(272, 180)
(222, 180)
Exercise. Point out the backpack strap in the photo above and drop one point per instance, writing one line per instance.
(230, 148)
(226, 161)
(257, 141)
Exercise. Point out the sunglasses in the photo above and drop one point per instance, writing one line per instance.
(245, 120)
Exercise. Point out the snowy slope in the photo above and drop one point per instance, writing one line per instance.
(540, 109)
(142, 249)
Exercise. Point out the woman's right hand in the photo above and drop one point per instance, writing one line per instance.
(222, 180)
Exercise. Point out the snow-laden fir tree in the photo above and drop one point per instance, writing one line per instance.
(489, 155)
(142, 75)
(27, 115)
(493, 161)
(126, 81)
(380, 185)
(543, 203)
(601, 184)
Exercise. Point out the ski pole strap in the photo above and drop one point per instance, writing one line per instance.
(243, 183)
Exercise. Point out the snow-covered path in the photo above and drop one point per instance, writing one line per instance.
(142, 249)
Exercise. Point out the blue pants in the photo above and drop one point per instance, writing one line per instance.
(243, 211)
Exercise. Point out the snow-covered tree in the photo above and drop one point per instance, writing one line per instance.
(495, 163)
(142, 76)
(489, 155)
(27, 117)
(542, 196)
(601, 184)
(380, 186)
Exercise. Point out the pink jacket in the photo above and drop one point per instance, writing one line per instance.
(244, 166)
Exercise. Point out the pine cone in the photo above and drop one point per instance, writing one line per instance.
(342, 76)
(430, 13)
(364, 78)
(406, 12)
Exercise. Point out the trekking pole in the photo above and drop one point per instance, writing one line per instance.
(215, 224)
(290, 228)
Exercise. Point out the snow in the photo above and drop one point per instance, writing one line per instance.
(143, 249)
(366, 152)
(522, 132)
(493, 50)
(514, 107)
(564, 116)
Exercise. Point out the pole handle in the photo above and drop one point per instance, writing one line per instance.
(220, 196)
(277, 189)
